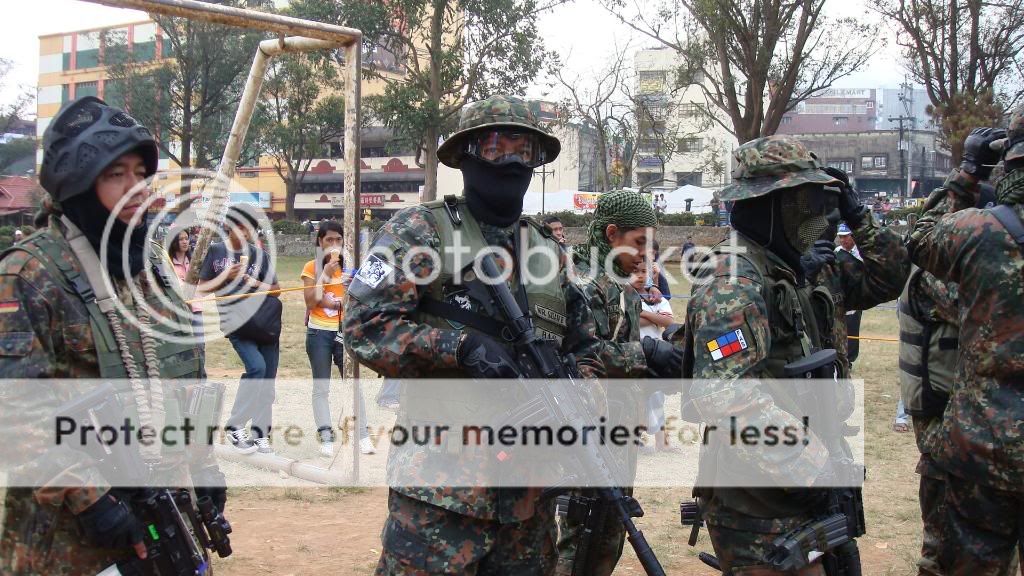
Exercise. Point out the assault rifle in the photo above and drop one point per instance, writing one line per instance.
(174, 547)
(559, 400)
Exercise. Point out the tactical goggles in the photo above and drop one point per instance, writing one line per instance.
(506, 145)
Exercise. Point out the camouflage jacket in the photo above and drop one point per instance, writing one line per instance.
(861, 285)
(616, 309)
(381, 329)
(982, 435)
(45, 333)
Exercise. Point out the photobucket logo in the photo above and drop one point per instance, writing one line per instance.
(161, 303)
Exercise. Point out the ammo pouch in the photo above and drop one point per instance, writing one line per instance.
(927, 361)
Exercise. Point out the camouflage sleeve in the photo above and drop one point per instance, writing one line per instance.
(882, 274)
(581, 339)
(29, 326)
(379, 326)
(937, 299)
(620, 359)
(731, 339)
(938, 237)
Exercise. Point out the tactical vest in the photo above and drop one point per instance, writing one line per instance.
(176, 361)
(928, 353)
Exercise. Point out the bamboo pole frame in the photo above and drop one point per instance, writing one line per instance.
(294, 35)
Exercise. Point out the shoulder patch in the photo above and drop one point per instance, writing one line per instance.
(550, 315)
(727, 344)
(373, 271)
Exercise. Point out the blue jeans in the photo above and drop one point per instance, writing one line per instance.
(323, 349)
(255, 398)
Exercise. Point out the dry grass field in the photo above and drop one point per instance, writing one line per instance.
(290, 530)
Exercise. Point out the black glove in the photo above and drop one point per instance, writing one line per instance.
(209, 483)
(483, 357)
(822, 253)
(850, 207)
(979, 158)
(663, 359)
(109, 523)
(672, 331)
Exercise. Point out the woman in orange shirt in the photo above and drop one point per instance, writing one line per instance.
(325, 280)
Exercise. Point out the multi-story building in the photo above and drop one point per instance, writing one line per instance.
(909, 103)
(832, 111)
(678, 143)
(74, 64)
(874, 159)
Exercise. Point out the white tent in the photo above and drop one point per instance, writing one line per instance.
(700, 199)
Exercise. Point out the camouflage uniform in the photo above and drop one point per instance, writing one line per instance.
(45, 332)
(743, 522)
(981, 440)
(452, 530)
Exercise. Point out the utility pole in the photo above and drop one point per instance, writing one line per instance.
(543, 186)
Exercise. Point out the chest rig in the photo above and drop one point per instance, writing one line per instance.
(141, 367)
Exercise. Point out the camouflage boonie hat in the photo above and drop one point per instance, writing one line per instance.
(495, 111)
(1015, 136)
(773, 163)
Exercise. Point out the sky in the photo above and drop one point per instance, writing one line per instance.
(580, 31)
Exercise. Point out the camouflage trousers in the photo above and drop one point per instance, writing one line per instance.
(985, 529)
(741, 542)
(605, 545)
(421, 539)
(932, 497)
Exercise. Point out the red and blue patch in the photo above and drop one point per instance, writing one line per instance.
(727, 344)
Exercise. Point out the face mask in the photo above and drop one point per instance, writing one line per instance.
(86, 212)
(495, 194)
(805, 215)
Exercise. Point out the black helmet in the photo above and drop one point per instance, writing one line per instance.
(87, 136)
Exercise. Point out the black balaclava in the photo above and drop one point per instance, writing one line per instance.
(495, 194)
(748, 217)
(86, 212)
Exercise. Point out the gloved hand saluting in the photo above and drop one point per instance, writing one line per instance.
(850, 207)
(979, 158)
(109, 523)
(822, 253)
(663, 359)
(483, 357)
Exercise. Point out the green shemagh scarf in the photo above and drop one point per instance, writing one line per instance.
(1010, 189)
(622, 208)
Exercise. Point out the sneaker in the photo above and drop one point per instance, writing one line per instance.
(327, 449)
(366, 447)
(241, 441)
(263, 445)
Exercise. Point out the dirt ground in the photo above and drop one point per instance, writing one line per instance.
(318, 530)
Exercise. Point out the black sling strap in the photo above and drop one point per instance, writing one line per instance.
(1009, 219)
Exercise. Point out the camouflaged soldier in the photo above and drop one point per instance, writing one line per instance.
(404, 327)
(624, 222)
(53, 328)
(757, 302)
(980, 444)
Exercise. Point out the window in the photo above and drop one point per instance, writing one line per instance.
(787, 120)
(840, 120)
(86, 89)
(874, 162)
(65, 93)
(689, 109)
(649, 146)
(651, 81)
(644, 178)
(87, 52)
(690, 145)
(691, 178)
(844, 165)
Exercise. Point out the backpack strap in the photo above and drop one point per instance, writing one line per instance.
(1008, 217)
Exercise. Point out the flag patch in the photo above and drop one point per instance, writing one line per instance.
(727, 344)
(9, 307)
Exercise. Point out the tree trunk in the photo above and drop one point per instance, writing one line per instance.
(290, 189)
(186, 128)
(430, 165)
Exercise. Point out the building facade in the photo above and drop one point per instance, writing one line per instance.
(909, 103)
(835, 110)
(875, 160)
(678, 142)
